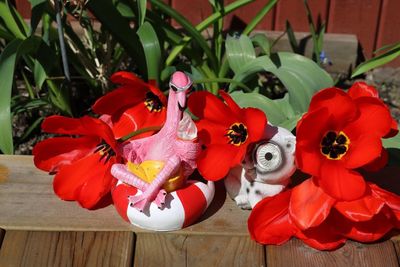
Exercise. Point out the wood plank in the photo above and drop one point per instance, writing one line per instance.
(388, 33)
(29, 203)
(159, 250)
(196, 12)
(294, 11)
(24, 248)
(396, 244)
(356, 17)
(224, 251)
(24, 8)
(239, 19)
(194, 250)
(351, 254)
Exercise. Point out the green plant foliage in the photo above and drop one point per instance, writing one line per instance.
(301, 76)
(279, 112)
(393, 51)
(152, 50)
(8, 59)
(239, 51)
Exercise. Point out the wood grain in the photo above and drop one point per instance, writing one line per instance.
(193, 250)
(295, 253)
(28, 203)
(24, 248)
(294, 11)
(396, 244)
(388, 31)
(356, 17)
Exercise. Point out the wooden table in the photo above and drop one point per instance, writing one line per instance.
(38, 229)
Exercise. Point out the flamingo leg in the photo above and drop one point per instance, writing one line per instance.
(153, 192)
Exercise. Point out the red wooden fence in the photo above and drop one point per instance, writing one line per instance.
(375, 22)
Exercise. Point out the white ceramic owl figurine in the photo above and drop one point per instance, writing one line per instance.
(266, 169)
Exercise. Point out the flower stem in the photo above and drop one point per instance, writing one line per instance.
(140, 131)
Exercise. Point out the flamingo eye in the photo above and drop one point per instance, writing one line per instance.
(268, 157)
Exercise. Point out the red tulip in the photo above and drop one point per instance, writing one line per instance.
(338, 135)
(82, 164)
(133, 105)
(225, 130)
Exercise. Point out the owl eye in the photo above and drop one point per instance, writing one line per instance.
(268, 157)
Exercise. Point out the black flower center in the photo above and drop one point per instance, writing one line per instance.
(153, 102)
(334, 145)
(105, 151)
(237, 134)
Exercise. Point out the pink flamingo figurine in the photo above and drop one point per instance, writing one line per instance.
(175, 146)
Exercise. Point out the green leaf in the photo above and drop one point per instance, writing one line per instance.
(292, 38)
(393, 142)
(152, 50)
(141, 6)
(259, 16)
(8, 59)
(31, 128)
(192, 31)
(112, 20)
(279, 112)
(378, 61)
(239, 51)
(222, 80)
(301, 76)
(38, 7)
(7, 64)
(204, 25)
(13, 21)
(261, 40)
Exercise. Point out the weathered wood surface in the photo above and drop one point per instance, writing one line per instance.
(196, 250)
(26, 248)
(29, 203)
(295, 253)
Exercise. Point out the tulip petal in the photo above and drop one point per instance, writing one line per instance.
(308, 161)
(255, 121)
(392, 200)
(365, 149)
(269, 221)
(121, 98)
(331, 99)
(379, 163)
(362, 209)
(215, 161)
(324, 236)
(374, 119)
(52, 153)
(82, 126)
(361, 89)
(309, 205)
(339, 182)
(126, 78)
(230, 102)
(311, 128)
(210, 132)
(206, 105)
(365, 231)
(137, 117)
(87, 180)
